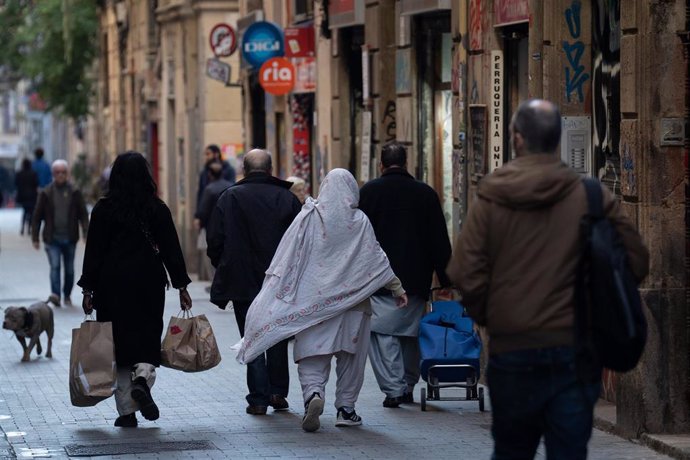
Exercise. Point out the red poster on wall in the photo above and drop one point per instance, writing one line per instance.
(299, 41)
(341, 6)
(510, 12)
(305, 75)
(301, 134)
(345, 13)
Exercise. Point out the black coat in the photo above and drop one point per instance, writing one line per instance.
(26, 181)
(228, 174)
(247, 224)
(408, 221)
(128, 279)
(209, 199)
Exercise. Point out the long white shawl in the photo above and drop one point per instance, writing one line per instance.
(327, 262)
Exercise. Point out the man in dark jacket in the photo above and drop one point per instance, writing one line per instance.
(62, 208)
(248, 222)
(408, 221)
(202, 217)
(515, 264)
(212, 155)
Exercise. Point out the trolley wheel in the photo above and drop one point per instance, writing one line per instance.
(422, 398)
(481, 400)
(469, 391)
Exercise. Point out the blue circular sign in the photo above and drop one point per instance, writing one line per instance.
(261, 42)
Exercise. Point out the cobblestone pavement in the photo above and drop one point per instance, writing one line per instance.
(37, 419)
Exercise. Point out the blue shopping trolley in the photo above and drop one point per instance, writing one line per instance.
(450, 348)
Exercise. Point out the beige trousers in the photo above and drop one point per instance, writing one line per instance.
(123, 390)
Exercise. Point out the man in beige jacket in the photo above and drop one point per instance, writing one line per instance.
(515, 264)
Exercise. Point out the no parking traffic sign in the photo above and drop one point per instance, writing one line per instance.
(223, 40)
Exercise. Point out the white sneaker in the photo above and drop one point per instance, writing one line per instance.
(346, 418)
(313, 408)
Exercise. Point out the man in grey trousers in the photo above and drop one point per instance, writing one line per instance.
(408, 221)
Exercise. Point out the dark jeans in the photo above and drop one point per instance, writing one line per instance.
(536, 393)
(26, 217)
(55, 250)
(268, 374)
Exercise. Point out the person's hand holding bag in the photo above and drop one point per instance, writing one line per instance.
(185, 299)
(87, 302)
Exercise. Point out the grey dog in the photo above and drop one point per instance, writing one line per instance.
(31, 322)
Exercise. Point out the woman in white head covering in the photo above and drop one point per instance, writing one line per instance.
(317, 288)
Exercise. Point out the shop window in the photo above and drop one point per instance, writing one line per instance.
(303, 10)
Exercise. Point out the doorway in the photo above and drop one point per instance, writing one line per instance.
(433, 163)
(258, 112)
(352, 39)
(516, 46)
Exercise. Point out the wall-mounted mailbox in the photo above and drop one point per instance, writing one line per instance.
(576, 143)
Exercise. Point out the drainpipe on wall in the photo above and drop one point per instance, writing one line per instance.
(685, 38)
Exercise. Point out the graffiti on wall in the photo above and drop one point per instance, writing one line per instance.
(606, 36)
(388, 122)
(476, 24)
(629, 179)
(478, 137)
(575, 75)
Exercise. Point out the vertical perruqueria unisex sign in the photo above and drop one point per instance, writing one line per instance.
(496, 117)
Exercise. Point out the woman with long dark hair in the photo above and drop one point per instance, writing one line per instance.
(26, 180)
(131, 242)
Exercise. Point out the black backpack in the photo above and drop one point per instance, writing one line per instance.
(611, 328)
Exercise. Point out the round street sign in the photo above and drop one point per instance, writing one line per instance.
(262, 41)
(277, 76)
(223, 40)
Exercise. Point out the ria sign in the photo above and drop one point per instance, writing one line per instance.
(262, 41)
(277, 76)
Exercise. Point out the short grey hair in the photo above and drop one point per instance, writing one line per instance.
(539, 123)
(59, 163)
(257, 160)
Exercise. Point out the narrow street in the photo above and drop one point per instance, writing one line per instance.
(207, 410)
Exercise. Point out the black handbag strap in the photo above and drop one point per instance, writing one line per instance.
(595, 198)
(154, 246)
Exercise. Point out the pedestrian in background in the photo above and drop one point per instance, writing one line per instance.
(317, 288)
(132, 241)
(299, 188)
(247, 224)
(212, 154)
(202, 218)
(42, 168)
(26, 180)
(6, 183)
(61, 210)
(515, 264)
(408, 222)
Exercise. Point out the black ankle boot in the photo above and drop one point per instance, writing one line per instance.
(127, 421)
(142, 395)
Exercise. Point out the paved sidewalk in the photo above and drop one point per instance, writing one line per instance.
(37, 419)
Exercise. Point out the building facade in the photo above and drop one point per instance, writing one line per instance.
(164, 93)
(619, 73)
(443, 77)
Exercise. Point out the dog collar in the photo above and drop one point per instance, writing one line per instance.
(28, 319)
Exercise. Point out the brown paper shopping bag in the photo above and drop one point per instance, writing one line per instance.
(189, 344)
(92, 369)
(208, 354)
